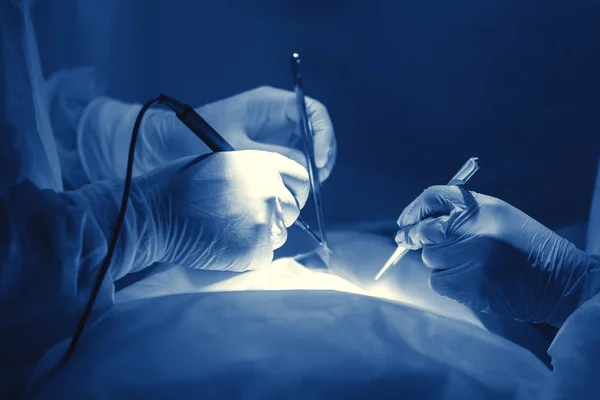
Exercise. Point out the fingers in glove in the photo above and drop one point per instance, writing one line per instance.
(433, 202)
(289, 207)
(426, 232)
(278, 226)
(325, 145)
(294, 177)
(324, 137)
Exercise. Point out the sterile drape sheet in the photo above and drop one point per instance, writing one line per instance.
(290, 344)
(316, 336)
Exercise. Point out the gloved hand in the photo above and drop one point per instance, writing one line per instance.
(223, 211)
(226, 211)
(266, 118)
(261, 119)
(494, 258)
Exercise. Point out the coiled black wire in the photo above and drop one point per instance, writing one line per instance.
(114, 237)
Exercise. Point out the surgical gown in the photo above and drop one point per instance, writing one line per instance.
(51, 243)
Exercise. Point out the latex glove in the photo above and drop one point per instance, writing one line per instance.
(69, 92)
(226, 211)
(494, 258)
(267, 119)
(261, 119)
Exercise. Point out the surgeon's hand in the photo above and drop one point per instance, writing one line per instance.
(494, 258)
(225, 211)
(267, 119)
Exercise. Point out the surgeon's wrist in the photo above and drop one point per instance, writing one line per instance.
(139, 243)
(580, 280)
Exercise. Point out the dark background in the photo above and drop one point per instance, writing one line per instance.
(414, 88)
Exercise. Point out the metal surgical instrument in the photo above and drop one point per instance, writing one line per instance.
(462, 176)
(215, 142)
(308, 138)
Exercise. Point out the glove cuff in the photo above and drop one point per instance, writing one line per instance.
(578, 275)
(139, 244)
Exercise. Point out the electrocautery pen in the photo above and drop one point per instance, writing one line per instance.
(216, 143)
(461, 177)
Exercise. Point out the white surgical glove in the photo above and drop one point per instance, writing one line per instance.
(224, 211)
(267, 118)
(494, 258)
(230, 210)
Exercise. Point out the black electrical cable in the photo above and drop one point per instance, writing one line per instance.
(115, 235)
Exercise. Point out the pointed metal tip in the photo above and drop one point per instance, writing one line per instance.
(324, 253)
(393, 260)
(326, 248)
(383, 269)
(306, 228)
